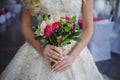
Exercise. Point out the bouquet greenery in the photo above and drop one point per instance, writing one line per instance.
(57, 31)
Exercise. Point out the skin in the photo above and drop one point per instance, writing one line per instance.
(53, 53)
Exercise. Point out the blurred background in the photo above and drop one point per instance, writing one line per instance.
(104, 45)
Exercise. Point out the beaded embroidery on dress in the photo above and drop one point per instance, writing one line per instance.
(28, 64)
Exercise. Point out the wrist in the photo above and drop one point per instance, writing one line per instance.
(72, 55)
(40, 50)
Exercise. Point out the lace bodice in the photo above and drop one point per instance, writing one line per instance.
(61, 7)
(55, 7)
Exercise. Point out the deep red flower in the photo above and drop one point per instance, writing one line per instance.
(67, 18)
(48, 30)
(55, 24)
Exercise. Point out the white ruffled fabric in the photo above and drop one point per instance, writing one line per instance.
(28, 64)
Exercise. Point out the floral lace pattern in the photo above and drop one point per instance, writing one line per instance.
(28, 64)
(54, 7)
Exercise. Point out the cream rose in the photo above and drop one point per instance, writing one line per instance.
(42, 27)
(49, 22)
(56, 18)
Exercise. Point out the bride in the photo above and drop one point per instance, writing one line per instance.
(32, 62)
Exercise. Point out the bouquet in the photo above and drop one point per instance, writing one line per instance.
(57, 31)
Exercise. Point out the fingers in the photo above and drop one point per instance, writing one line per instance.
(61, 69)
(57, 49)
(53, 53)
(63, 65)
(60, 66)
(51, 59)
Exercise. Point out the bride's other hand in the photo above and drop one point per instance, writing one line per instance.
(63, 65)
(52, 53)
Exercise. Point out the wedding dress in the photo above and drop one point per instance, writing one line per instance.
(28, 64)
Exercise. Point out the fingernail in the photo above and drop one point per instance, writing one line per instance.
(61, 59)
(61, 56)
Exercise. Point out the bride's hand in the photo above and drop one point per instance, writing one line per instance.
(52, 53)
(64, 64)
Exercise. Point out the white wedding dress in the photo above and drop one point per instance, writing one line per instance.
(28, 64)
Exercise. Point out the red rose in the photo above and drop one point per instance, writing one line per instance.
(55, 24)
(48, 30)
(67, 18)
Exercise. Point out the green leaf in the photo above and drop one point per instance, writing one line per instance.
(67, 21)
(78, 39)
(80, 31)
(49, 16)
(37, 32)
(40, 18)
(44, 17)
(38, 37)
(76, 34)
(62, 22)
(65, 37)
(74, 19)
(66, 29)
(65, 42)
(68, 24)
(34, 28)
(69, 43)
(77, 26)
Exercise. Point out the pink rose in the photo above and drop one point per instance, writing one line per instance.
(55, 24)
(56, 18)
(67, 18)
(72, 25)
(48, 30)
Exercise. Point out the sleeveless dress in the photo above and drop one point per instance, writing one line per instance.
(28, 64)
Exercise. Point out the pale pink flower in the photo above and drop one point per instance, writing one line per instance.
(72, 25)
(56, 18)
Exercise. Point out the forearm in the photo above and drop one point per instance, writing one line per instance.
(87, 17)
(30, 38)
(85, 36)
(26, 30)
